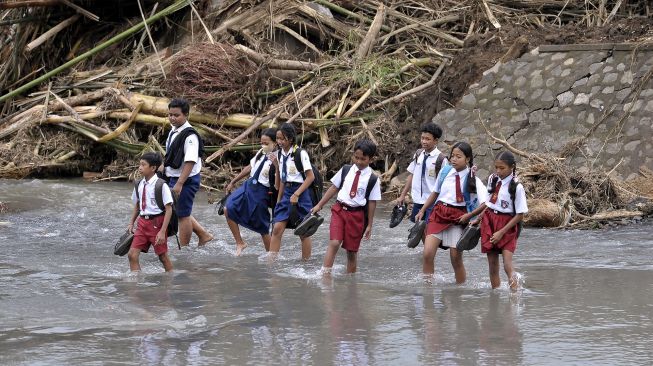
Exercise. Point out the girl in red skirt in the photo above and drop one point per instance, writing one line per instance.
(456, 194)
(506, 206)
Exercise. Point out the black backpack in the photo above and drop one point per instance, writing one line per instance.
(368, 190)
(317, 187)
(173, 225)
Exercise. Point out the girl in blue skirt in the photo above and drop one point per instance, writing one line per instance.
(294, 200)
(249, 204)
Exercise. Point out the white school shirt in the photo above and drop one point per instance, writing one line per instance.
(447, 193)
(264, 177)
(504, 202)
(293, 175)
(418, 193)
(359, 199)
(151, 208)
(191, 151)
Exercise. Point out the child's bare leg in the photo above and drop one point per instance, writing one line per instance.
(307, 243)
(235, 232)
(510, 272)
(277, 233)
(165, 260)
(493, 263)
(331, 252)
(266, 241)
(456, 257)
(430, 248)
(351, 261)
(202, 235)
(133, 254)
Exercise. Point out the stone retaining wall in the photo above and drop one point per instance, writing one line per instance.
(555, 94)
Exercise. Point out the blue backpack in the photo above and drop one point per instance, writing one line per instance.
(471, 199)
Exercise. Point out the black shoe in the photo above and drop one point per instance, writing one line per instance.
(469, 239)
(306, 225)
(398, 214)
(123, 244)
(415, 233)
(313, 228)
(221, 204)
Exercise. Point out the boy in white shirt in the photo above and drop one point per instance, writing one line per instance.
(152, 221)
(358, 189)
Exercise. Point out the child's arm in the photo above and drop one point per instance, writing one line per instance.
(307, 183)
(277, 183)
(332, 191)
(477, 211)
(371, 207)
(161, 236)
(241, 175)
(429, 202)
(404, 192)
(132, 220)
(496, 237)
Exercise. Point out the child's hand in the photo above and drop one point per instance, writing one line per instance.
(294, 198)
(273, 159)
(399, 201)
(419, 215)
(475, 222)
(496, 237)
(316, 209)
(230, 187)
(177, 188)
(464, 218)
(368, 233)
(160, 237)
(130, 228)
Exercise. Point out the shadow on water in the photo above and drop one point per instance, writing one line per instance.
(66, 299)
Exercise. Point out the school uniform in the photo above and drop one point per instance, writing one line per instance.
(191, 153)
(499, 212)
(291, 179)
(348, 213)
(150, 219)
(249, 204)
(451, 205)
(423, 169)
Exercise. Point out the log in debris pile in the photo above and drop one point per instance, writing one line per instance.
(85, 84)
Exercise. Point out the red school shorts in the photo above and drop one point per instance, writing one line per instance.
(491, 223)
(348, 226)
(145, 235)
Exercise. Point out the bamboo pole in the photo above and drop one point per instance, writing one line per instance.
(180, 4)
(365, 47)
(28, 3)
(52, 32)
(245, 133)
(276, 64)
(345, 12)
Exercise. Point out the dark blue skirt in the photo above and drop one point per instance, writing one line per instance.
(282, 210)
(248, 207)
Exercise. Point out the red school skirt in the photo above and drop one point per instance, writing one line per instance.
(443, 216)
(493, 222)
(347, 224)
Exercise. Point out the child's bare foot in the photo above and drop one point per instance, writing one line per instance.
(205, 240)
(240, 247)
(513, 282)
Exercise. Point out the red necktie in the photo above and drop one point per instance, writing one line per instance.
(459, 193)
(495, 194)
(354, 186)
(143, 197)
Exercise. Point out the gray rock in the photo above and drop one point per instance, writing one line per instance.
(565, 98)
(631, 146)
(597, 103)
(547, 96)
(550, 82)
(537, 82)
(580, 82)
(558, 56)
(521, 81)
(607, 69)
(608, 90)
(610, 78)
(622, 94)
(627, 78)
(582, 98)
(498, 91)
(569, 61)
(621, 67)
(595, 67)
(565, 73)
(557, 71)
(468, 101)
(649, 106)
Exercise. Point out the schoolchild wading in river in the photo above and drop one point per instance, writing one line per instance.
(294, 200)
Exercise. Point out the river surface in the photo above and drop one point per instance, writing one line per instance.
(65, 299)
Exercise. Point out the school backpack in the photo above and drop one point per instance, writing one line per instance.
(317, 187)
(368, 190)
(173, 225)
(438, 161)
(471, 198)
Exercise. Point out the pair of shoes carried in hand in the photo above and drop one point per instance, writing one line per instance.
(398, 214)
(309, 225)
(415, 234)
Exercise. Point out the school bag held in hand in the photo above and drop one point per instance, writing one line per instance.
(173, 225)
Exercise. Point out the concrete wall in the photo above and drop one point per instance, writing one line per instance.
(555, 94)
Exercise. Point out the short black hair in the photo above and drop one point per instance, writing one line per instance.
(153, 158)
(181, 104)
(432, 128)
(367, 147)
(271, 133)
(288, 130)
